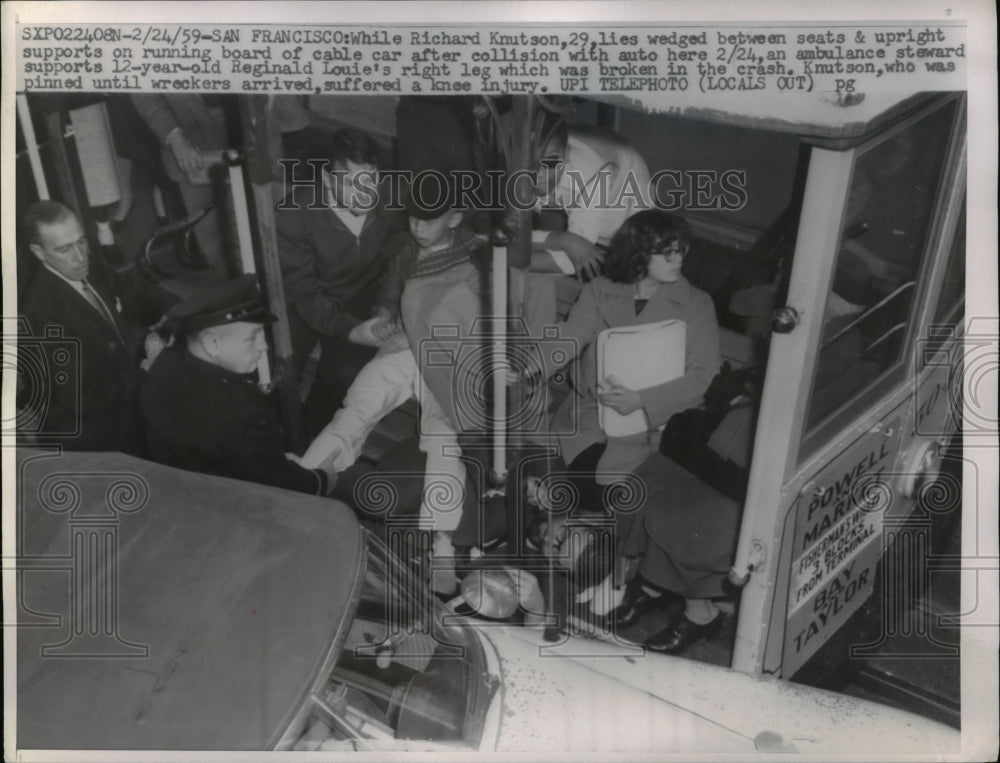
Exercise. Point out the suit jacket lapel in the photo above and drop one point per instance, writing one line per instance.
(112, 303)
(76, 306)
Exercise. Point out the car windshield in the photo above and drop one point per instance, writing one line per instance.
(406, 672)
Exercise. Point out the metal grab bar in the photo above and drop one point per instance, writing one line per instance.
(894, 330)
(499, 363)
(867, 313)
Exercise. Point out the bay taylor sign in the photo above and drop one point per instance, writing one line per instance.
(836, 547)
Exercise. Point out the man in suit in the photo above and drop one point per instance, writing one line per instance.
(83, 392)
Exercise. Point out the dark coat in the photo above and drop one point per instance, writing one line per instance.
(206, 419)
(88, 403)
(686, 528)
(332, 278)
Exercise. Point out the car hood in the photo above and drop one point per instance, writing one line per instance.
(559, 704)
(208, 628)
(589, 696)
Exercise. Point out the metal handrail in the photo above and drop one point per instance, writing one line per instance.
(867, 313)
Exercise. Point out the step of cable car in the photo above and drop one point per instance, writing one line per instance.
(918, 665)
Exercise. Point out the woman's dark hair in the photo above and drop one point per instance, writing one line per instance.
(644, 233)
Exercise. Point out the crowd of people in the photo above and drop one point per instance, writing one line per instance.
(369, 285)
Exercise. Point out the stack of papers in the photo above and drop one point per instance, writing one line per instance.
(638, 357)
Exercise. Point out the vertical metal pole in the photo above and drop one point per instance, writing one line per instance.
(254, 114)
(519, 220)
(607, 116)
(241, 214)
(499, 355)
(60, 159)
(518, 228)
(31, 142)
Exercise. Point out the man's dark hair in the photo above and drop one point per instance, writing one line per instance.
(643, 234)
(42, 213)
(348, 144)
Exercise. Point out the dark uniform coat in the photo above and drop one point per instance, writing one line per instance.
(85, 400)
(206, 419)
(332, 278)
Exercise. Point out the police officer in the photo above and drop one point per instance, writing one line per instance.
(202, 404)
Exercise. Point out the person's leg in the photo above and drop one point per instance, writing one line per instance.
(700, 611)
(691, 531)
(665, 568)
(445, 476)
(444, 488)
(650, 588)
(701, 620)
(484, 512)
(583, 475)
(385, 383)
(339, 364)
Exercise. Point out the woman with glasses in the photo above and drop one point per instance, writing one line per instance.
(643, 282)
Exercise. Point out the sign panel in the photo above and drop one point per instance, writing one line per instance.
(837, 542)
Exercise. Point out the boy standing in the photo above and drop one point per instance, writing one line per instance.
(332, 265)
(432, 281)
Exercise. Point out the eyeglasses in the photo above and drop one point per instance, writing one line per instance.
(670, 255)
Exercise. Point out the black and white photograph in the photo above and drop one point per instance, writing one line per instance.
(550, 381)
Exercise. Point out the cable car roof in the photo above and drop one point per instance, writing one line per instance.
(823, 114)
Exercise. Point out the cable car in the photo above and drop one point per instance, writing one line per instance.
(848, 236)
(853, 236)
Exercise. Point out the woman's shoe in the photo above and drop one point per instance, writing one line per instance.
(681, 634)
(637, 603)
